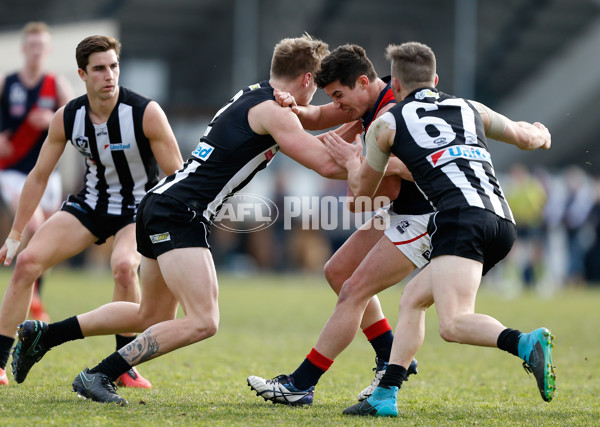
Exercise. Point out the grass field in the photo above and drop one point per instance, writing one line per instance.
(269, 323)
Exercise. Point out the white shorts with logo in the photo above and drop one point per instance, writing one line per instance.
(409, 234)
(11, 185)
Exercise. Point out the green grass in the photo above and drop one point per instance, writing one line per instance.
(269, 324)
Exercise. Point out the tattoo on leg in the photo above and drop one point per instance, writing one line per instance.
(142, 349)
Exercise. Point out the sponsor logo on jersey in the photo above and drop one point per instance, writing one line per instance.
(426, 93)
(102, 132)
(118, 147)
(445, 155)
(403, 226)
(159, 238)
(203, 151)
(427, 254)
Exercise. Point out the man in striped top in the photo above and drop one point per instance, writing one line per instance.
(441, 139)
(122, 137)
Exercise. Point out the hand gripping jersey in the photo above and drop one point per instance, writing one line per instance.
(228, 156)
(120, 165)
(410, 201)
(16, 104)
(441, 139)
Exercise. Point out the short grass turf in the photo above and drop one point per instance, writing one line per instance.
(269, 323)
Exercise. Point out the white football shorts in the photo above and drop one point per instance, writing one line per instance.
(409, 234)
(11, 185)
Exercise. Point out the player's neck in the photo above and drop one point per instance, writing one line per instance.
(30, 76)
(101, 109)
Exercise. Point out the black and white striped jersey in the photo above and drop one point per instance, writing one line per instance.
(228, 156)
(120, 165)
(441, 139)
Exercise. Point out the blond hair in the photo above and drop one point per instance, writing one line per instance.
(295, 56)
(35, 27)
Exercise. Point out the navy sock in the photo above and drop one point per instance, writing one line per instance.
(6, 344)
(383, 345)
(394, 376)
(123, 341)
(113, 366)
(307, 375)
(508, 340)
(61, 332)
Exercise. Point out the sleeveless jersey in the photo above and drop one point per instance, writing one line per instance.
(228, 156)
(16, 103)
(441, 139)
(410, 201)
(120, 165)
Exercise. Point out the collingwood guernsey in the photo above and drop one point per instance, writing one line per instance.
(120, 166)
(441, 139)
(229, 154)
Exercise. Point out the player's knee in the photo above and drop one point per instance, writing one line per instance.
(448, 331)
(28, 266)
(353, 290)
(125, 272)
(334, 275)
(207, 328)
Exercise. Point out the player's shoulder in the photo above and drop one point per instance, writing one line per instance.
(76, 103)
(129, 97)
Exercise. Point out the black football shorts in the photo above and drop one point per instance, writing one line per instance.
(473, 233)
(164, 223)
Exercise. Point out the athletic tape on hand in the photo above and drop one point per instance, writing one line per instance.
(12, 245)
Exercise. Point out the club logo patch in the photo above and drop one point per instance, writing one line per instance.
(403, 226)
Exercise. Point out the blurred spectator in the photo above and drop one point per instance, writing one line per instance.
(592, 258)
(527, 198)
(578, 206)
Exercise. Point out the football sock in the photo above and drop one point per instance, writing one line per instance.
(394, 375)
(38, 285)
(61, 332)
(6, 344)
(508, 340)
(381, 338)
(309, 372)
(113, 366)
(123, 341)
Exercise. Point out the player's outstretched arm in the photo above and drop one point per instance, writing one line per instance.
(284, 126)
(524, 135)
(162, 140)
(312, 117)
(35, 185)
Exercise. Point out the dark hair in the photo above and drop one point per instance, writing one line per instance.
(93, 44)
(346, 64)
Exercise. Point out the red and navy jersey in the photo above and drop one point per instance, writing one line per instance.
(410, 200)
(16, 104)
(228, 156)
(441, 139)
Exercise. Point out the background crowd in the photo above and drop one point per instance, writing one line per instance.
(513, 66)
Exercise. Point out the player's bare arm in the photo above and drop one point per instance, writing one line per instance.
(284, 126)
(162, 140)
(35, 184)
(524, 135)
(312, 117)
